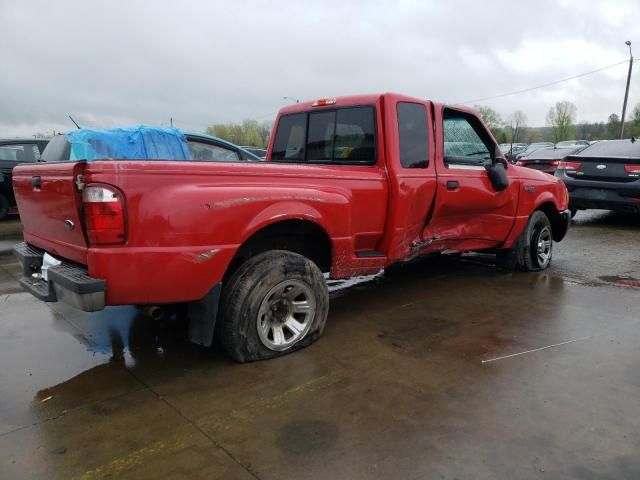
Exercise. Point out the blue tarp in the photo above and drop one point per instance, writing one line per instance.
(138, 142)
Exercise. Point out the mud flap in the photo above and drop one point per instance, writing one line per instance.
(202, 317)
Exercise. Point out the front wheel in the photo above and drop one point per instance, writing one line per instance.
(275, 303)
(533, 250)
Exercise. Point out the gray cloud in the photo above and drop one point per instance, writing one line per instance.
(113, 63)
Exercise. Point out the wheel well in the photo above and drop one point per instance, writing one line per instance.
(299, 236)
(558, 228)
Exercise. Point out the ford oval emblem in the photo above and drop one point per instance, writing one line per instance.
(601, 167)
(69, 225)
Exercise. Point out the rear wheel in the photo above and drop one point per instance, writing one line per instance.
(573, 212)
(275, 303)
(4, 206)
(533, 251)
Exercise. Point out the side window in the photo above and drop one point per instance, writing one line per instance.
(207, 152)
(341, 136)
(413, 133)
(463, 142)
(290, 138)
(20, 152)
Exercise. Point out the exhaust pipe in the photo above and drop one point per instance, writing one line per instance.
(154, 312)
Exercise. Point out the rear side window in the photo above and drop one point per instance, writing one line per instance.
(28, 152)
(57, 150)
(340, 136)
(206, 152)
(413, 133)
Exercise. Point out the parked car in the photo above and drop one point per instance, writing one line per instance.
(259, 152)
(532, 147)
(604, 175)
(350, 186)
(12, 153)
(206, 147)
(573, 143)
(511, 150)
(547, 159)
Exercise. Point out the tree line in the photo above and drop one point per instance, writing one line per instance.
(248, 133)
(561, 125)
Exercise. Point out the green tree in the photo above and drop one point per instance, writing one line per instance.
(561, 118)
(492, 119)
(613, 126)
(515, 125)
(249, 133)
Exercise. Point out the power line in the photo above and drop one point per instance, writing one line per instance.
(543, 85)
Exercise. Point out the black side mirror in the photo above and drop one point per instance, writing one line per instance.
(498, 176)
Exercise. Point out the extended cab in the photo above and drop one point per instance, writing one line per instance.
(350, 186)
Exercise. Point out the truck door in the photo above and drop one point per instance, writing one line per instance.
(468, 212)
(412, 173)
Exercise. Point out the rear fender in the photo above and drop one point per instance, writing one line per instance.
(331, 212)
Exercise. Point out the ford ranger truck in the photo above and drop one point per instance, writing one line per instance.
(350, 186)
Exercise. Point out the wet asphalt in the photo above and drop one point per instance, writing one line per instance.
(445, 368)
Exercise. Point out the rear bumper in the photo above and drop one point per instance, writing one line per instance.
(67, 282)
(583, 198)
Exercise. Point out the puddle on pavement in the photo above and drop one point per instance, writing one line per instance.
(75, 357)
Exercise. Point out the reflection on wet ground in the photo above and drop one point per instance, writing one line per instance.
(396, 388)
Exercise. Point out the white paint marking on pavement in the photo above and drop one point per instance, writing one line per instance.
(535, 350)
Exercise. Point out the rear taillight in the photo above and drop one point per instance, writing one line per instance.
(103, 207)
(520, 163)
(633, 169)
(555, 163)
(569, 165)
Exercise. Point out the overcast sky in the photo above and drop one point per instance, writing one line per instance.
(110, 63)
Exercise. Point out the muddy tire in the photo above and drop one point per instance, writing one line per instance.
(4, 206)
(533, 250)
(275, 303)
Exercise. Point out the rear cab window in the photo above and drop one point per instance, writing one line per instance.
(337, 136)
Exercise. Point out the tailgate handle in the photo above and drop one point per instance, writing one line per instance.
(36, 182)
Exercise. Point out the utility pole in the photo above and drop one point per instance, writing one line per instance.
(626, 92)
(171, 121)
(292, 99)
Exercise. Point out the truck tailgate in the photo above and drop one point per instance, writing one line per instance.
(49, 206)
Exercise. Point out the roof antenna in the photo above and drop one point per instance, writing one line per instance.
(74, 122)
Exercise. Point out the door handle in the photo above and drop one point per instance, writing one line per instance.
(36, 182)
(452, 184)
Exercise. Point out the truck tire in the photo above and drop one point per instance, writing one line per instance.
(276, 303)
(533, 250)
(4, 207)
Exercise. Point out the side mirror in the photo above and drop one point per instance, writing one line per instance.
(498, 176)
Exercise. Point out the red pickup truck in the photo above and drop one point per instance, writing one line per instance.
(351, 185)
